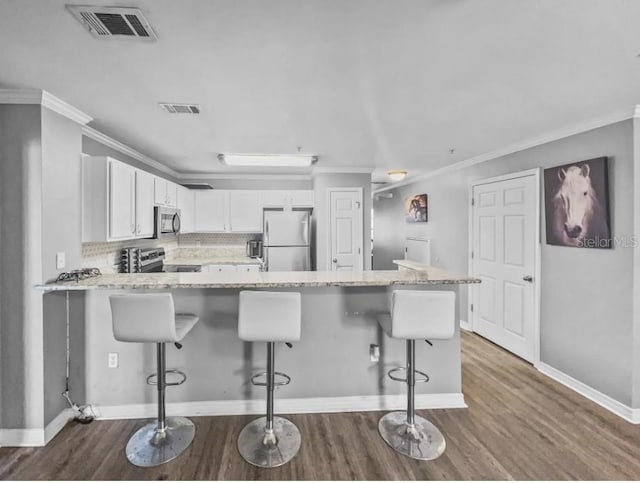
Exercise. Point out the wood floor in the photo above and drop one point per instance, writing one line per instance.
(519, 425)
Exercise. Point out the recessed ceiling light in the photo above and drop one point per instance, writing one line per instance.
(396, 174)
(269, 160)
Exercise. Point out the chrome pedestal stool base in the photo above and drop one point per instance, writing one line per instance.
(423, 441)
(268, 449)
(151, 447)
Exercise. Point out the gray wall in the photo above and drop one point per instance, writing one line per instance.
(586, 307)
(20, 259)
(61, 232)
(321, 215)
(331, 359)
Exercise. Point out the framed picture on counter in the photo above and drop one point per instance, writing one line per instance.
(416, 209)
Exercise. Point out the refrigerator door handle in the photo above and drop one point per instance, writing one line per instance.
(266, 232)
(305, 231)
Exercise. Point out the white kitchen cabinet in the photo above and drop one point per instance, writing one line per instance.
(165, 192)
(247, 268)
(186, 204)
(117, 200)
(286, 198)
(121, 196)
(144, 204)
(219, 268)
(245, 211)
(211, 211)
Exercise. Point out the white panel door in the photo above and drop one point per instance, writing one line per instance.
(121, 201)
(346, 229)
(211, 211)
(503, 257)
(144, 204)
(245, 211)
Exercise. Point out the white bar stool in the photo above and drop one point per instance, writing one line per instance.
(152, 318)
(269, 317)
(415, 314)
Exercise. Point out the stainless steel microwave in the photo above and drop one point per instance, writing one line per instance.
(167, 221)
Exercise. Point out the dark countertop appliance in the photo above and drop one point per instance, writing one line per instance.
(148, 260)
(254, 248)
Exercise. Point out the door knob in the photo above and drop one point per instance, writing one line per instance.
(527, 278)
(335, 260)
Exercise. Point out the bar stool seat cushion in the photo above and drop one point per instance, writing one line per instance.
(420, 314)
(269, 316)
(184, 323)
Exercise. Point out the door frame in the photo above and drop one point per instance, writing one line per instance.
(360, 191)
(537, 265)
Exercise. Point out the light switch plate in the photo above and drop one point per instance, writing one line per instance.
(113, 360)
(61, 260)
(374, 352)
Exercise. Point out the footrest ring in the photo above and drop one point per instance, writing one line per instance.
(283, 382)
(154, 382)
(422, 379)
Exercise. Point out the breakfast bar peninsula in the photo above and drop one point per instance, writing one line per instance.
(340, 363)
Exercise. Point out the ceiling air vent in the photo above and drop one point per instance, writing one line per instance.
(180, 108)
(114, 22)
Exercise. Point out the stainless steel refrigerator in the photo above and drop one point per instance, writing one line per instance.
(287, 240)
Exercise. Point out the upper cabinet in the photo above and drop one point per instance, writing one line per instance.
(144, 204)
(292, 198)
(245, 211)
(165, 192)
(211, 211)
(187, 206)
(117, 200)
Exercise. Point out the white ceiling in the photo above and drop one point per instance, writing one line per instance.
(361, 83)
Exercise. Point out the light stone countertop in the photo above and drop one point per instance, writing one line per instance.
(374, 278)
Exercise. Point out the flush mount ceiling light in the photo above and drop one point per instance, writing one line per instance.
(269, 160)
(396, 174)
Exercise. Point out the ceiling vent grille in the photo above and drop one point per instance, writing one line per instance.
(180, 108)
(114, 22)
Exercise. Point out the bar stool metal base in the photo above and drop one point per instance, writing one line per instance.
(422, 442)
(260, 448)
(150, 447)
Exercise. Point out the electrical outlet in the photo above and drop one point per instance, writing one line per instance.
(374, 352)
(113, 360)
(61, 260)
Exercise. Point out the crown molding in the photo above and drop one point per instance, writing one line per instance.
(342, 169)
(564, 132)
(213, 176)
(124, 149)
(45, 99)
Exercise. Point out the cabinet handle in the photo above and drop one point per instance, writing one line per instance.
(133, 228)
(138, 228)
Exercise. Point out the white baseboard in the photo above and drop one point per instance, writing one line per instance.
(21, 437)
(283, 406)
(464, 325)
(35, 437)
(59, 422)
(630, 414)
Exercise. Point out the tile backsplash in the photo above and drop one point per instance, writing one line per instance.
(106, 256)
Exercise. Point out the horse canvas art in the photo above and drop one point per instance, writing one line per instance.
(577, 204)
(415, 209)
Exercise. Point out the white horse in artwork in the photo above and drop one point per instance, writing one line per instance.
(577, 212)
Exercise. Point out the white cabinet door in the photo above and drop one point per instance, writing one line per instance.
(247, 268)
(245, 211)
(301, 198)
(221, 268)
(121, 201)
(160, 191)
(275, 198)
(211, 211)
(144, 204)
(172, 194)
(186, 205)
